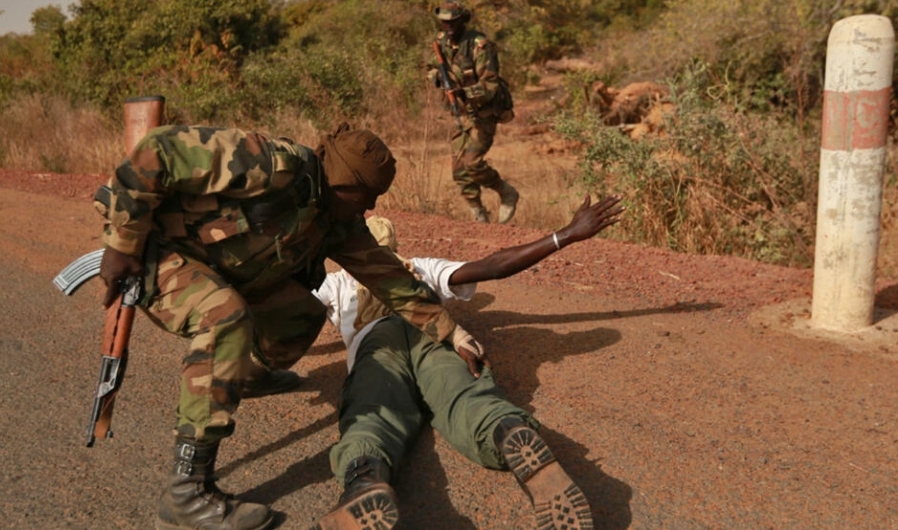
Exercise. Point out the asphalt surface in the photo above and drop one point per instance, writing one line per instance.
(684, 416)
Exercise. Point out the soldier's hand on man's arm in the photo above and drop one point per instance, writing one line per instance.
(114, 268)
(470, 350)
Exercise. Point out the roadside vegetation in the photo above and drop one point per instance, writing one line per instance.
(734, 171)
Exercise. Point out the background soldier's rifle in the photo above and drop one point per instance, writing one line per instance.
(447, 83)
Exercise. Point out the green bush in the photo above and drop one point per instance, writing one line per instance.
(717, 181)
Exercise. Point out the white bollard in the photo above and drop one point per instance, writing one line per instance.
(857, 87)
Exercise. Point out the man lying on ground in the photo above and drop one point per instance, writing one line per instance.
(398, 377)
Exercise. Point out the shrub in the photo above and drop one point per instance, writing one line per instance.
(717, 181)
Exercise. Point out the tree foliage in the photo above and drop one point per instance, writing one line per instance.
(227, 57)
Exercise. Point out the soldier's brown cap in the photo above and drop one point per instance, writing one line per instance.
(356, 157)
(451, 11)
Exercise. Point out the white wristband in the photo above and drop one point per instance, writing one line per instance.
(555, 239)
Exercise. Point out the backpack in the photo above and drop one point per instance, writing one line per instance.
(503, 103)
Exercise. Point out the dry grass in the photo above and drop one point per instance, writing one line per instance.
(887, 263)
(44, 134)
(424, 178)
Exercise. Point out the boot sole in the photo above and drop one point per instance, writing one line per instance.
(373, 510)
(559, 504)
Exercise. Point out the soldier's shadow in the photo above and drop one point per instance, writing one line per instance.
(503, 331)
(517, 347)
(609, 498)
(423, 488)
(431, 507)
(519, 344)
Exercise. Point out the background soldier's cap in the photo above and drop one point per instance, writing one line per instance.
(451, 11)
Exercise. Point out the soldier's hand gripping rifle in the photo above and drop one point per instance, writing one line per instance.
(446, 83)
(116, 334)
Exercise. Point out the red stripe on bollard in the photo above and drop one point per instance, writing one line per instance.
(855, 120)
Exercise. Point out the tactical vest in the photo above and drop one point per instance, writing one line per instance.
(501, 107)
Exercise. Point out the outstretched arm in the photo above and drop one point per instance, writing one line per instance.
(588, 221)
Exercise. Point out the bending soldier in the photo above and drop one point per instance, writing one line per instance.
(485, 102)
(230, 230)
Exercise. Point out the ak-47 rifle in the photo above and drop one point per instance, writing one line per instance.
(141, 115)
(447, 83)
(116, 334)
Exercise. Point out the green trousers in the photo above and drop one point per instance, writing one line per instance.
(470, 170)
(400, 380)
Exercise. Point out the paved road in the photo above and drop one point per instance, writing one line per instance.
(682, 417)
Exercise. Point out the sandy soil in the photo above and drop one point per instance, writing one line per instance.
(680, 391)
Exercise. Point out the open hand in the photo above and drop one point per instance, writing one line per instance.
(589, 220)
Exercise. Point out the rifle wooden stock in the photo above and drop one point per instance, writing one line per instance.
(447, 83)
(114, 360)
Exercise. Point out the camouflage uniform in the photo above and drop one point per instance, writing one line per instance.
(485, 102)
(234, 234)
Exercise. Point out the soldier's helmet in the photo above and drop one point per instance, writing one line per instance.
(451, 11)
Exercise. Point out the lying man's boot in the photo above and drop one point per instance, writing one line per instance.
(508, 197)
(267, 381)
(192, 501)
(558, 502)
(367, 501)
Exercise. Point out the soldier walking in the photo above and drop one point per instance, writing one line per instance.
(473, 67)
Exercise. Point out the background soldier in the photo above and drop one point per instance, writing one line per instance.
(229, 231)
(485, 102)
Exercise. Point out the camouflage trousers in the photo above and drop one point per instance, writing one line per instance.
(470, 170)
(399, 380)
(224, 325)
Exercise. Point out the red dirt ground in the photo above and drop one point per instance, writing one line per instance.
(706, 401)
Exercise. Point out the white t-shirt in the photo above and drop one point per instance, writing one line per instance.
(338, 294)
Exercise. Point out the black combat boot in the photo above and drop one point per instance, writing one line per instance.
(264, 380)
(557, 501)
(192, 501)
(367, 502)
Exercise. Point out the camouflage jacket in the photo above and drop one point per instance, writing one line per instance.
(474, 66)
(250, 207)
